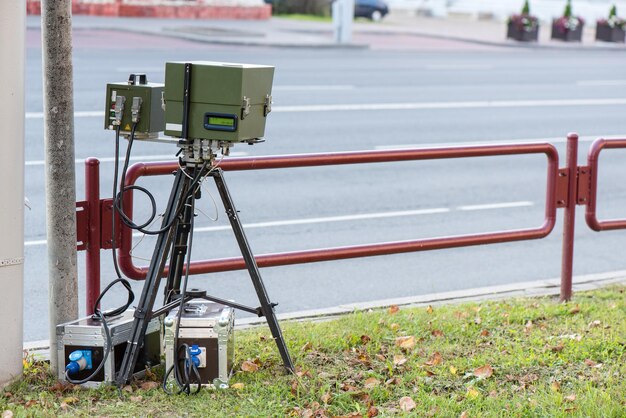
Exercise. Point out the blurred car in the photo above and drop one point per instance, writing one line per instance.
(374, 10)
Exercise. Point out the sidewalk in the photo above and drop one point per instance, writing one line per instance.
(285, 32)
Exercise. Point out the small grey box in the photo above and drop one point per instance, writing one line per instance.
(88, 334)
(209, 326)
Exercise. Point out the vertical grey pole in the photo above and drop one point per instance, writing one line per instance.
(12, 53)
(343, 16)
(56, 32)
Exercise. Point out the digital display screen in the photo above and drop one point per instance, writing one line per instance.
(214, 120)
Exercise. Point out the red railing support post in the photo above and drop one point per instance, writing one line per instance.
(92, 259)
(569, 218)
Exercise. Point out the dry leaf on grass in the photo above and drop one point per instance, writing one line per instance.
(453, 370)
(7, 414)
(307, 346)
(557, 348)
(407, 404)
(472, 393)
(435, 359)
(325, 398)
(249, 366)
(372, 411)
(128, 388)
(149, 385)
(237, 386)
(136, 398)
(437, 333)
(570, 398)
(594, 324)
(365, 339)
(399, 360)
(575, 310)
(483, 372)
(429, 309)
(555, 386)
(394, 326)
(393, 309)
(406, 343)
(484, 333)
(371, 383)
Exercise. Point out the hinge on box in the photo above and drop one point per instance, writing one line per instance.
(245, 107)
(268, 105)
(582, 186)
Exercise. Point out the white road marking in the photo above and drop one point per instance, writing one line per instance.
(557, 140)
(408, 106)
(345, 218)
(314, 88)
(164, 157)
(495, 206)
(601, 83)
(459, 66)
(451, 105)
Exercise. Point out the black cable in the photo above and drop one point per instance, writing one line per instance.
(98, 315)
(115, 172)
(184, 382)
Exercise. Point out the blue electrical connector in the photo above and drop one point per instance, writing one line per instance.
(79, 360)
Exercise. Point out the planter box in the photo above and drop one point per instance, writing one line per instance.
(514, 32)
(608, 34)
(567, 35)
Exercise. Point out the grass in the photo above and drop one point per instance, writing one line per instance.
(523, 357)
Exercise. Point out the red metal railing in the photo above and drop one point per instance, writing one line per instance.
(327, 254)
(566, 188)
(592, 162)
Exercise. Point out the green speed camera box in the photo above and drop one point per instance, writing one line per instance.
(228, 102)
(151, 115)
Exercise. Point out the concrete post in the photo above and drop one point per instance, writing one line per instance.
(12, 54)
(56, 32)
(343, 16)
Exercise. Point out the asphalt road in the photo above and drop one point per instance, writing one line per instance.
(339, 100)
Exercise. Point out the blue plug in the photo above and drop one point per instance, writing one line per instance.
(79, 360)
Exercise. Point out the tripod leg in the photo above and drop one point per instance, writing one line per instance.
(151, 284)
(266, 307)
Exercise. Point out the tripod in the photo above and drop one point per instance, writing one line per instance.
(176, 227)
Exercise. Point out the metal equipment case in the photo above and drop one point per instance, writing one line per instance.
(151, 120)
(228, 102)
(209, 326)
(88, 334)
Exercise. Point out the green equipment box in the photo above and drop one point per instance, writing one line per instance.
(228, 102)
(150, 112)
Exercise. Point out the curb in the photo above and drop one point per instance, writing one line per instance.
(549, 287)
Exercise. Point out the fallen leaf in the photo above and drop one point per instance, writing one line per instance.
(371, 383)
(484, 333)
(529, 324)
(393, 309)
(472, 393)
(306, 347)
(434, 360)
(325, 398)
(406, 343)
(407, 404)
(429, 309)
(453, 370)
(394, 326)
(575, 310)
(128, 388)
(237, 386)
(372, 411)
(557, 348)
(478, 320)
(430, 373)
(392, 381)
(365, 339)
(590, 363)
(249, 366)
(30, 403)
(461, 315)
(136, 398)
(7, 414)
(149, 385)
(594, 324)
(399, 360)
(555, 386)
(437, 333)
(483, 372)
(306, 413)
(570, 398)
(64, 406)
(464, 414)
(347, 387)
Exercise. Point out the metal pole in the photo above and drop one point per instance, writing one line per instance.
(569, 218)
(12, 53)
(56, 32)
(343, 16)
